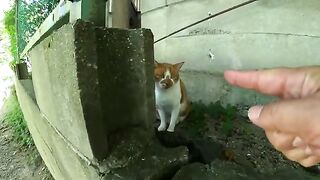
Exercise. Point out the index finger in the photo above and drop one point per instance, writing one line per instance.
(282, 82)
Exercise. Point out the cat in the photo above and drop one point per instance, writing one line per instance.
(172, 103)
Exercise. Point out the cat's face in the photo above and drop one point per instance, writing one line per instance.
(166, 75)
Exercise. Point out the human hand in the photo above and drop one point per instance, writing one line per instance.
(291, 124)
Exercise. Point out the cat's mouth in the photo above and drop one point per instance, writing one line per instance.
(165, 84)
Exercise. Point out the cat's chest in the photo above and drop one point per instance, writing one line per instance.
(168, 97)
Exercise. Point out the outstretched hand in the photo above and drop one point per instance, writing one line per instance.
(291, 124)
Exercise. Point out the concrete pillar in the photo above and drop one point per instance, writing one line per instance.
(94, 11)
(91, 81)
(120, 13)
(126, 77)
(22, 71)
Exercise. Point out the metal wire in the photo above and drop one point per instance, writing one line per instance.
(30, 15)
(207, 18)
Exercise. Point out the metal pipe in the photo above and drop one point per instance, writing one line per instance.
(120, 14)
(94, 11)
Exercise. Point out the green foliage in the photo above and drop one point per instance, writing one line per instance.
(197, 122)
(14, 118)
(228, 118)
(10, 27)
(30, 16)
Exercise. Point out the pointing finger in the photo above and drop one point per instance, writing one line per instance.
(282, 82)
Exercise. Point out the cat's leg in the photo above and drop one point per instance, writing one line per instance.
(180, 119)
(174, 118)
(163, 123)
(184, 111)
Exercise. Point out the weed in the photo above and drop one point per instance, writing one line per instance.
(197, 123)
(228, 118)
(14, 117)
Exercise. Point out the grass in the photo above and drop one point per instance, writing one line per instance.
(196, 124)
(201, 114)
(14, 118)
(228, 117)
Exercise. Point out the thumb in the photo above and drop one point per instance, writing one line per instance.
(254, 113)
(262, 121)
(297, 116)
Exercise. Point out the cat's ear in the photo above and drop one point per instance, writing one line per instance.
(178, 65)
(156, 63)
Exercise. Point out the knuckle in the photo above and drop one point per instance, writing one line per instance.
(277, 142)
(278, 145)
(291, 158)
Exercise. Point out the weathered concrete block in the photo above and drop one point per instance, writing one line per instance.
(90, 82)
(115, 74)
(54, 75)
(61, 160)
(93, 86)
(21, 71)
(126, 79)
(133, 158)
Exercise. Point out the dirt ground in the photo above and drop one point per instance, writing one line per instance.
(14, 163)
(247, 143)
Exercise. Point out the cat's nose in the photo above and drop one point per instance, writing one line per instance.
(163, 85)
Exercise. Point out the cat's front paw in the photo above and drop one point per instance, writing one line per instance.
(162, 127)
(170, 129)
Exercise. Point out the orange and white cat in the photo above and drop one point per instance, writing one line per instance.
(171, 97)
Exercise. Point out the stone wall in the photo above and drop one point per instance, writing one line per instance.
(59, 155)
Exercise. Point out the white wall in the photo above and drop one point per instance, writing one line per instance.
(267, 33)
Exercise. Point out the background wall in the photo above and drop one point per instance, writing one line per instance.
(267, 33)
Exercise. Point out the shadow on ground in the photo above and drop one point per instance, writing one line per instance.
(223, 144)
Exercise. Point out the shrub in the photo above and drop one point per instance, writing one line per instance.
(10, 27)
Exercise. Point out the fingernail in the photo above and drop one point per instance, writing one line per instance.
(254, 113)
(297, 142)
